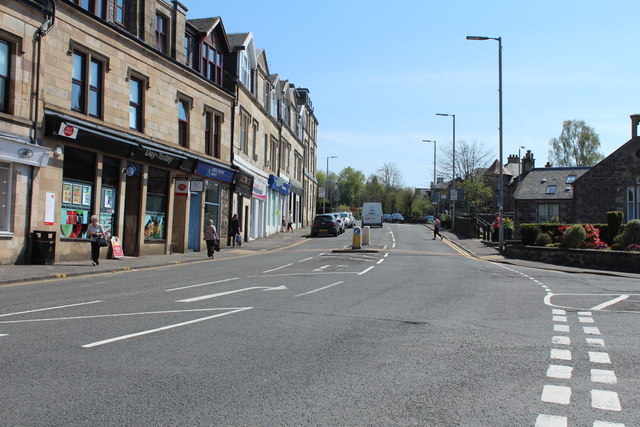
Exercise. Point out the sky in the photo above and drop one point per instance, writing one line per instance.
(379, 71)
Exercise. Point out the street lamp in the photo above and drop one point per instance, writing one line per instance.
(433, 192)
(501, 183)
(453, 182)
(326, 185)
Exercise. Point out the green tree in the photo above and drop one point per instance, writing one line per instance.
(350, 184)
(421, 206)
(476, 192)
(577, 145)
(372, 191)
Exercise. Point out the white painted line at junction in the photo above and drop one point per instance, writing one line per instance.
(607, 400)
(603, 376)
(386, 255)
(322, 268)
(551, 421)
(559, 371)
(596, 342)
(306, 259)
(4, 335)
(560, 319)
(561, 340)
(556, 394)
(380, 261)
(558, 311)
(49, 308)
(584, 313)
(599, 357)
(606, 424)
(277, 268)
(610, 302)
(560, 354)
(235, 291)
(591, 330)
(394, 245)
(202, 284)
(365, 271)
(586, 319)
(164, 328)
(309, 273)
(319, 289)
(561, 328)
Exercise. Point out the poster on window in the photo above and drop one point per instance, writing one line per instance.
(86, 195)
(108, 198)
(77, 194)
(66, 193)
(73, 222)
(154, 227)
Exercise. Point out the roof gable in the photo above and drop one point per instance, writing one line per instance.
(536, 184)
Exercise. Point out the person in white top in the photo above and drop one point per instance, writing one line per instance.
(94, 231)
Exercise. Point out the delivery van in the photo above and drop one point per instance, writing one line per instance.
(372, 214)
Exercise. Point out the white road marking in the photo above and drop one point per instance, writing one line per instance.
(603, 376)
(586, 319)
(559, 371)
(202, 284)
(560, 319)
(606, 424)
(319, 289)
(584, 313)
(365, 271)
(607, 400)
(164, 328)
(591, 330)
(596, 342)
(386, 255)
(561, 328)
(220, 294)
(277, 268)
(599, 357)
(4, 335)
(394, 245)
(322, 268)
(611, 302)
(306, 259)
(558, 311)
(49, 308)
(561, 340)
(560, 354)
(551, 421)
(556, 394)
(380, 261)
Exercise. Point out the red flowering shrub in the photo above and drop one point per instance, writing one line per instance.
(593, 238)
(634, 247)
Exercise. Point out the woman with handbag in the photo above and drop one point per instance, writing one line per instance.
(211, 237)
(98, 237)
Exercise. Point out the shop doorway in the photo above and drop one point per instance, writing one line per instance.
(194, 222)
(132, 213)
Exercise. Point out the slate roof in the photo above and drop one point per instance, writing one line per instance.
(237, 39)
(494, 169)
(535, 184)
(203, 25)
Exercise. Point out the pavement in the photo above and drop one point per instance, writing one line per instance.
(474, 248)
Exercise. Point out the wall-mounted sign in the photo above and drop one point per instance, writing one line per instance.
(49, 208)
(197, 186)
(259, 188)
(218, 173)
(68, 131)
(279, 184)
(182, 188)
(154, 157)
(244, 184)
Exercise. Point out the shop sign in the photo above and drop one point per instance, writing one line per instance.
(182, 188)
(244, 184)
(218, 173)
(68, 131)
(259, 189)
(197, 186)
(279, 184)
(296, 188)
(155, 157)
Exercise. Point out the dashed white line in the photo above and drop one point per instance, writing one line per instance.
(561, 328)
(558, 311)
(561, 340)
(603, 376)
(322, 268)
(380, 261)
(596, 342)
(365, 271)
(4, 335)
(386, 255)
(560, 354)
(319, 289)
(606, 424)
(277, 268)
(559, 371)
(586, 319)
(49, 308)
(306, 259)
(607, 400)
(551, 421)
(599, 357)
(202, 284)
(611, 302)
(560, 319)
(235, 291)
(556, 394)
(591, 330)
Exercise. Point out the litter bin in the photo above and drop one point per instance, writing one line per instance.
(43, 247)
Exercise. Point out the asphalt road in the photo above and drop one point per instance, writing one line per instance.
(417, 334)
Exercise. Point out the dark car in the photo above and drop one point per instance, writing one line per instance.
(324, 224)
(386, 217)
(396, 217)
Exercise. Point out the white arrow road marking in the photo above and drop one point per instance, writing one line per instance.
(164, 328)
(220, 294)
(277, 268)
(49, 308)
(322, 268)
(319, 289)
(202, 284)
(611, 302)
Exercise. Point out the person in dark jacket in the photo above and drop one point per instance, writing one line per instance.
(235, 229)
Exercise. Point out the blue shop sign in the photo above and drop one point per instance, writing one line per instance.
(279, 184)
(218, 173)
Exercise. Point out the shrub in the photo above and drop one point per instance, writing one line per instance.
(616, 247)
(634, 247)
(614, 221)
(528, 233)
(631, 233)
(543, 239)
(574, 236)
(592, 240)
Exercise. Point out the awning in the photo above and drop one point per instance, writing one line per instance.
(25, 153)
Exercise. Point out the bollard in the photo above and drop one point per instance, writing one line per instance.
(366, 234)
(355, 243)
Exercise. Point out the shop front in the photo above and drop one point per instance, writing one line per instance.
(259, 208)
(215, 196)
(280, 191)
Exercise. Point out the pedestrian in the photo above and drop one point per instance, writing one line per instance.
(210, 236)
(95, 231)
(436, 228)
(290, 223)
(235, 229)
(284, 224)
(496, 227)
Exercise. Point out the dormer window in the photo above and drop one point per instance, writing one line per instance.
(211, 64)
(245, 70)
(551, 189)
(571, 178)
(161, 33)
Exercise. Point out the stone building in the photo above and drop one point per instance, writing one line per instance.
(611, 185)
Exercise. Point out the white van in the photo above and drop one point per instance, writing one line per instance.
(372, 214)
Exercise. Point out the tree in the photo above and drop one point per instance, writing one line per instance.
(470, 157)
(577, 145)
(350, 184)
(390, 176)
(477, 193)
(372, 191)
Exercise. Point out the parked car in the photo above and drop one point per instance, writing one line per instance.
(324, 224)
(341, 224)
(397, 217)
(386, 217)
(348, 219)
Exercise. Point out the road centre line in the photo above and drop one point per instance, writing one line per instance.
(302, 274)
(306, 259)
(277, 268)
(609, 303)
(319, 289)
(380, 261)
(202, 284)
(235, 291)
(164, 328)
(49, 308)
(366, 270)
(99, 316)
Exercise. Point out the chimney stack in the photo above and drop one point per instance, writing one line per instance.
(635, 121)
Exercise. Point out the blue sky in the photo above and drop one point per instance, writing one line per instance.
(379, 71)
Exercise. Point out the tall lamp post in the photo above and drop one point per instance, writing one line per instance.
(326, 185)
(453, 182)
(501, 183)
(434, 166)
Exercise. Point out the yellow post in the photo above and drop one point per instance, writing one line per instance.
(355, 243)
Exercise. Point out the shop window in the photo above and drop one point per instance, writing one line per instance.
(212, 204)
(109, 196)
(5, 197)
(78, 184)
(156, 213)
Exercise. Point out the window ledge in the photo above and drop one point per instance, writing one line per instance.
(6, 235)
